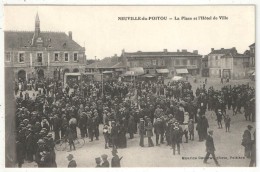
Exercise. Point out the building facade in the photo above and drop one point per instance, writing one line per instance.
(164, 62)
(227, 63)
(40, 54)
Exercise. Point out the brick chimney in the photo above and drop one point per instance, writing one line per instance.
(184, 50)
(70, 35)
(212, 49)
(195, 51)
(165, 50)
(178, 50)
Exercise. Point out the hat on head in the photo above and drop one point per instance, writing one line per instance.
(104, 156)
(114, 151)
(70, 156)
(98, 160)
(40, 141)
(249, 126)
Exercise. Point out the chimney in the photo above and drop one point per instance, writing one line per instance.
(184, 50)
(222, 48)
(195, 51)
(165, 50)
(70, 35)
(115, 55)
(178, 50)
(212, 49)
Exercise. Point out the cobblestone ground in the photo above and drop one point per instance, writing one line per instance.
(229, 151)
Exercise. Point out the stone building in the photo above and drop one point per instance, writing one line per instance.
(42, 54)
(228, 63)
(164, 62)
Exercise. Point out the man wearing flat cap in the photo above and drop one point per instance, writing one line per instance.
(115, 162)
(72, 162)
(105, 161)
(210, 148)
(247, 141)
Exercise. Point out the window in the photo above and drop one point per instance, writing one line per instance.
(66, 57)
(75, 57)
(177, 62)
(8, 57)
(39, 57)
(56, 57)
(184, 62)
(154, 62)
(21, 57)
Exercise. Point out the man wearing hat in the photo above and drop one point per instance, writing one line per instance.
(114, 134)
(72, 162)
(141, 132)
(149, 130)
(219, 118)
(176, 137)
(105, 161)
(115, 162)
(210, 148)
(98, 161)
(29, 145)
(247, 141)
(158, 130)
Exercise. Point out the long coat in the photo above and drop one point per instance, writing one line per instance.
(115, 162)
(131, 124)
(149, 130)
(210, 148)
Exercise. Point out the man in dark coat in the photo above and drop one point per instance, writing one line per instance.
(114, 135)
(98, 161)
(19, 153)
(247, 141)
(176, 137)
(105, 161)
(72, 162)
(115, 162)
(131, 126)
(149, 132)
(210, 148)
(56, 127)
(141, 132)
(29, 145)
(158, 130)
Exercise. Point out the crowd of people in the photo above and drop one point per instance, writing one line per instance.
(170, 111)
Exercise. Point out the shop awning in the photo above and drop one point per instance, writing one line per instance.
(149, 76)
(129, 73)
(177, 78)
(137, 70)
(162, 71)
(251, 71)
(182, 71)
(72, 74)
(106, 72)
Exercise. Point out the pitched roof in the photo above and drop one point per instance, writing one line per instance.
(159, 53)
(107, 62)
(52, 40)
(252, 45)
(224, 51)
(240, 56)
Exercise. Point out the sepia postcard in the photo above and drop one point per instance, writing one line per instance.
(90, 86)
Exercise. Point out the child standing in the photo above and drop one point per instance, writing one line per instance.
(227, 121)
(191, 129)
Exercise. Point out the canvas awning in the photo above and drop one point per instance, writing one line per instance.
(148, 76)
(177, 78)
(137, 70)
(129, 73)
(162, 71)
(182, 71)
(106, 72)
(250, 71)
(72, 74)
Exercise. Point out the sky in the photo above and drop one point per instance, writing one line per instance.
(103, 35)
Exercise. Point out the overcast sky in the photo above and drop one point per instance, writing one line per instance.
(98, 27)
